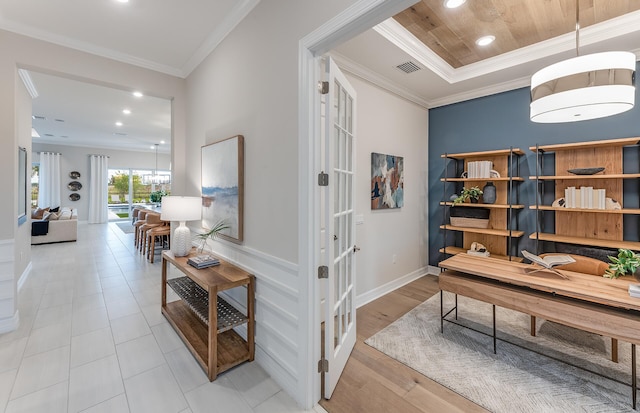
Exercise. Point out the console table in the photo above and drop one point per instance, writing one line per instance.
(205, 321)
(598, 305)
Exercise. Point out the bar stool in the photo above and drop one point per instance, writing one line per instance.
(162, 232)
(134, 214)
(142, 216)
(152, 220)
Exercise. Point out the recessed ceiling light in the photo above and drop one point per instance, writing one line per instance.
(122, 1)
(452, 4)
(162, 142)
(126, 111)
(485, 40)
(138, 94)
(153, 147)
(118, 123)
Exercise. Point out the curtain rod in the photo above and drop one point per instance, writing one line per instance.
(52, 153)
(104, 156)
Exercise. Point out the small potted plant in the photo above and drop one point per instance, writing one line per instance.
(156, 196)
(212, 233)
(626, 263)
(472, 217)
(472, 194)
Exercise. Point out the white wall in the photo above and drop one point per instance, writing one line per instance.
(249, 86)
(76, 158)
(389, 124)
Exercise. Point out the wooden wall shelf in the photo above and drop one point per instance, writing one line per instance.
(500, 238)
(457, 250)
(629, 211)
(632, 245)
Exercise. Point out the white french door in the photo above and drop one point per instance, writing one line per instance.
(339, 219)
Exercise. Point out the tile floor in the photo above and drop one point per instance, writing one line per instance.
(92, 339)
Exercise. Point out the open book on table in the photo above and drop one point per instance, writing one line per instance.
(549, 262)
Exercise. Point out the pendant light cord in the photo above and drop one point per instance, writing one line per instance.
(577, 27)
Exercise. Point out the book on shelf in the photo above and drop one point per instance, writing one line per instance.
(634, 290)
(203, 261)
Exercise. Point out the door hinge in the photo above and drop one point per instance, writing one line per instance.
(323, 272)
(323, 366)
(323, 87)
(323, 179)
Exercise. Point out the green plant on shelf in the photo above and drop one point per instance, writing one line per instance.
(626, 263)
(472, 194)
(212, 233)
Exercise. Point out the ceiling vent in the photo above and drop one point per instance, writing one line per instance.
(409, 67)
(120, 134)
(48, 134)
(59, 120)
(38, 117)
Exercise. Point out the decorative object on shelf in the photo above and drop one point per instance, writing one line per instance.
(584, 87)
(559, 203)
(472, 194)
(74, 186)
(478, 249)
(74, 174)
(74, 197)
(494, 174)
(453, 197)
(387, 181)
(470, 217)
(612, 204)
(626, 263)
(181, 209)
(212, 233)
(223, 186)
(586, 171)
(489, 193)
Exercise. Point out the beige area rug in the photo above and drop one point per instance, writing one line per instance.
(515, 379)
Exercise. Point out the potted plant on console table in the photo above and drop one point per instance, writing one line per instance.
(470, 217)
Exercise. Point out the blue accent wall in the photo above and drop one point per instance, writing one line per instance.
(501, 121)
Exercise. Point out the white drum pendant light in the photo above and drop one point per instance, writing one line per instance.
(585, 87)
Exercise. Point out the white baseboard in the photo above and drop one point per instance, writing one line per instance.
(433, 270)
(378, 292)
(10, 323)
(24, 276)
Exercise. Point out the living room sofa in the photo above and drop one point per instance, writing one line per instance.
(55, 227)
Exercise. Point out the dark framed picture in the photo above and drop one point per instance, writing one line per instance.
(74, 186)
(74, 174)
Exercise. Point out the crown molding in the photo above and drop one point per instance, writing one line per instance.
(374, 78)
(239, 12)
(399, 36)
(87, 47)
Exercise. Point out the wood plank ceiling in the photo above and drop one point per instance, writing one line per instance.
(451, 33)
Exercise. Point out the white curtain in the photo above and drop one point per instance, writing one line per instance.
(49, 180)
(98, 189)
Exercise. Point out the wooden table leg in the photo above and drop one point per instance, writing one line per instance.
(533, 325)
(213, 334)
(164, 282)
(251, 288)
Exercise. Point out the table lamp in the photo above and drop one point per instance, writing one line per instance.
(181, 209)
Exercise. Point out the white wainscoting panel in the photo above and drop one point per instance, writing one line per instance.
(277, 321)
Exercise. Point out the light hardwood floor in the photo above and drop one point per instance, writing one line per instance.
(373, 382)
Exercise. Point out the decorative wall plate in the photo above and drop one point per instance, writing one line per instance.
(74, 197)
(585, 171)
(74, 174)
(74, 186)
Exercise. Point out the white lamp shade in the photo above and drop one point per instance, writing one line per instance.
(181, 208)
(582, 88)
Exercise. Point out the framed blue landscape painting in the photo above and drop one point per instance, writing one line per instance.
(223, 186)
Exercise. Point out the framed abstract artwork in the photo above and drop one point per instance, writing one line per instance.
(223, 186)
(387, 181)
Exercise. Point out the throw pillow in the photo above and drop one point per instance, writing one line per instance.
(46, 215)
(39, 213)
(66, 214)
(56, 209)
